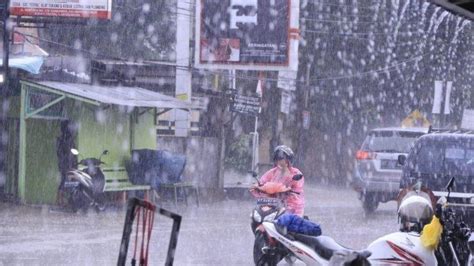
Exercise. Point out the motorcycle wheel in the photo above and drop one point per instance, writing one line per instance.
(260, 258)
(369, 203)
(100, 203)
(78, 200)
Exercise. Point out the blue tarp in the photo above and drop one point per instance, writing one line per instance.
(155, 167)
(30, 64)
(296, 224)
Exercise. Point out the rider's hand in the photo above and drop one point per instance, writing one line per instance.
(253, 187)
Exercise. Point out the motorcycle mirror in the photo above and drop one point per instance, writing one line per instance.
(450, 184)
(297, 177)
(74, 151)
(254, 175)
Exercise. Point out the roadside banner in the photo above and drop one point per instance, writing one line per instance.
(98, 9)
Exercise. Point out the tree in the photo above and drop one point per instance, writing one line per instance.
(139, 30)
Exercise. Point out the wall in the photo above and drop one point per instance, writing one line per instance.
(104, 129)
(11, 159)
(144, 135)
(110, 129)
(41, 172)
(201, 157)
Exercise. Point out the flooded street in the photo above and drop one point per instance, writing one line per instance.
(212, 234)
(103, 97)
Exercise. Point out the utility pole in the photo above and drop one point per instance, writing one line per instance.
(6, 48)
(4, 78)
(302, 91)
(183, 69)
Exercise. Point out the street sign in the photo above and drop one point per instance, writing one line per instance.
(245, 104)
(286, 98)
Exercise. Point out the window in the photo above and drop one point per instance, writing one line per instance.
(390, 141)
(429, 159)
(458, 157)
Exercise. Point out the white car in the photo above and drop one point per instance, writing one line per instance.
(377, 172)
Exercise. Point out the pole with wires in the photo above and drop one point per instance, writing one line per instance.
(4, 78)
(6, 48)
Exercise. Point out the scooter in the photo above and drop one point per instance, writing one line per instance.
(399, 248)
(270, 205)
(85, 187)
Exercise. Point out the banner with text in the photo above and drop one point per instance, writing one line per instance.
(98, 9)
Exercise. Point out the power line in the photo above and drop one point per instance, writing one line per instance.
(190, 68)
(400, 64)
(347, 6)
(338, 21)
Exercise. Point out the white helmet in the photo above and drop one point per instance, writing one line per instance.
(415, 212)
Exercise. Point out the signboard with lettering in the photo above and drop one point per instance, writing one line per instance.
(245, 104)
(99, 9)
(246, 34)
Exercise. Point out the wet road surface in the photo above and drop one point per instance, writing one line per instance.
(213, 234)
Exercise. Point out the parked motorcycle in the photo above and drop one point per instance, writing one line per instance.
(457, 237)
(85, 187)
(410, 247)
(270, 205)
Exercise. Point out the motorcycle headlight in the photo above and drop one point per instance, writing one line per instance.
(256, 216)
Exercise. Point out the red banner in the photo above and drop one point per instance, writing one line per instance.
(51, 12)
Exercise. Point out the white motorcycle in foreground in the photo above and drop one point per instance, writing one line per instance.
(426, 237)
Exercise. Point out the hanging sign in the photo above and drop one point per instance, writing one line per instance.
(245, 104)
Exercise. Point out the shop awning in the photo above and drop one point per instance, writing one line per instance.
(30, 64)
(125, 96)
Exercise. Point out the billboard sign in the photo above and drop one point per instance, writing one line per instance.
(246, 34)
(98, 9)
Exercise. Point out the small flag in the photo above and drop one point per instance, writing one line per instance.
(260, 84)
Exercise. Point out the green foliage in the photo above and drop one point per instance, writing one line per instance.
(239, 154)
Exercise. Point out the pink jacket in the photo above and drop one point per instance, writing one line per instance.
(294, 202)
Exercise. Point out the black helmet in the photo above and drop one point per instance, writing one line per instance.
(283, 152)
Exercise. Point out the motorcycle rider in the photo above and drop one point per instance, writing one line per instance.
(283, 173)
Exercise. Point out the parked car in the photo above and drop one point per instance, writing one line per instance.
(435, 159)
(377, 172)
